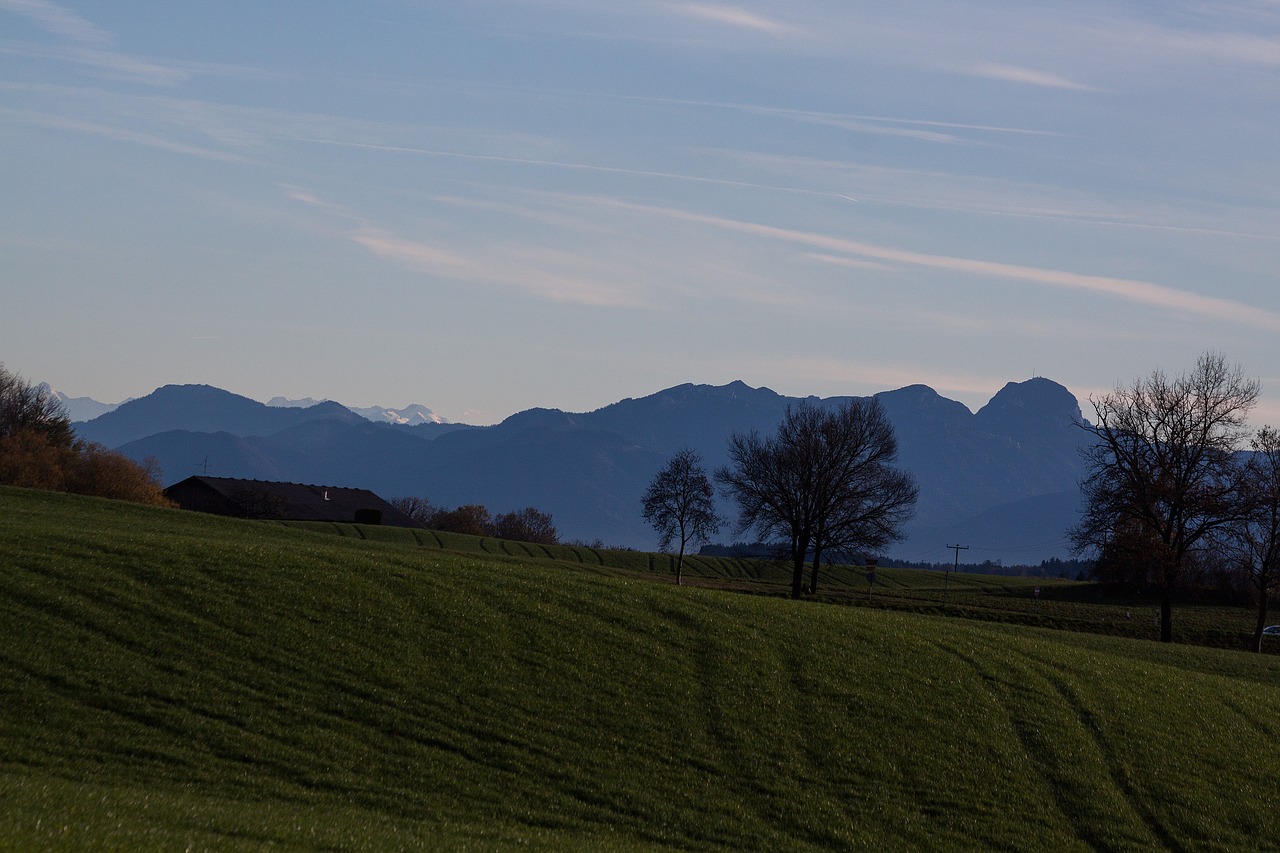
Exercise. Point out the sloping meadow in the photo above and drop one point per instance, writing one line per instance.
(173, 679)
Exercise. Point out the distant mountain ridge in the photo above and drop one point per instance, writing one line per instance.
(79, 408)
(1006, 476)
(83, 409)
(199, 408)
(414, 413)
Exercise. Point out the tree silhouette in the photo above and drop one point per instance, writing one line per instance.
(680, 504)
(1253, 542)
(1163, 468)
(824, 481)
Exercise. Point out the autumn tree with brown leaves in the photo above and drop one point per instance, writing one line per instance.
(39, 450)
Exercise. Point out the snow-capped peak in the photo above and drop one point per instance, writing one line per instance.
(80, 408)
(412, 414)
(286, 403)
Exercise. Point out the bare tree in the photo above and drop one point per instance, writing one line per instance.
(680, 504)
(418, 509)
(526, 525)
(823, 481)
(1162, 469)
(862, 500)
(1253, 542)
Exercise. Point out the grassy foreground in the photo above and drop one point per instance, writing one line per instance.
(1064, 604)
(175, 680)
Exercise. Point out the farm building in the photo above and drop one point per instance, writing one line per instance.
(284, 501)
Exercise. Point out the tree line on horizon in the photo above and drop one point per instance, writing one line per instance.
(530, 524)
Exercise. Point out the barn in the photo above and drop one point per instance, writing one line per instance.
(284, 501)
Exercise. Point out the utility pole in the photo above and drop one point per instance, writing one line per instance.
(946, 581)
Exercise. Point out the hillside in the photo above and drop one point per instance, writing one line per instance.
(172, 679)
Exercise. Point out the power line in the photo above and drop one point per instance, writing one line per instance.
(946, 576)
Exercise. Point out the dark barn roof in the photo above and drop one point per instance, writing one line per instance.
(285, 501)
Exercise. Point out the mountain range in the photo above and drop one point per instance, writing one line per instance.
(87, 408)
(414, 413)
(78, 408)
(1004, 480)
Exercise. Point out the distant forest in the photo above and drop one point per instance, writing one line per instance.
(1051, 568)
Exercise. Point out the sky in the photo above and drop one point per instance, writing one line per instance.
(491, 205)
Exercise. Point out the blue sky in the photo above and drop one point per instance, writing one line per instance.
(486, 206)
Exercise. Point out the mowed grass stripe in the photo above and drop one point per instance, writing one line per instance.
(168, 678)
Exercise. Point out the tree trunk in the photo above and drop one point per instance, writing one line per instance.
(799, 549)
(1169, 573)
(813, 574)
(679, 562)
(1262, 619)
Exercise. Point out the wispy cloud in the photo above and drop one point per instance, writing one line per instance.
(734, 16)
(304, 196)
(558, 164)
(997, 196)
(58, 20)
(547, 274)
(119, 134)
(835, 119)
(1129, 290)
(1223, 46)
(1028, 76)
(117, 66)
(91, 48)
(843, 261)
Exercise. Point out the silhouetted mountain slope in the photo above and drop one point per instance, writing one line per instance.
(1005, 474)
(200, 408)
(698, 416)
(183, 453)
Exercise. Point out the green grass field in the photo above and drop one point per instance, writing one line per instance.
(170, 680)
(1062, 604)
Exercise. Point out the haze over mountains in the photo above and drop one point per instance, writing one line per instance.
(1004, 480)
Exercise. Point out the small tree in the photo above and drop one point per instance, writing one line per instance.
(680, 504)
(471, 519)
(107, 473)
(418, 509)
(1163, 468)
(1253, 542)
(526, 525)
